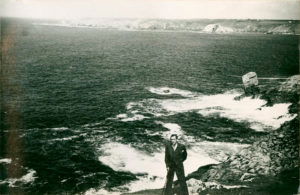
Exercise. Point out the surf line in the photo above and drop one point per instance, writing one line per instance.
(260, 78)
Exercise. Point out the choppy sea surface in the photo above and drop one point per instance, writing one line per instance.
(96, 106)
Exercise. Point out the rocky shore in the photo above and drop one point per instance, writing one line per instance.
(269, 166)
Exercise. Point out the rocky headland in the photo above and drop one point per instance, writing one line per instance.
(269, 166)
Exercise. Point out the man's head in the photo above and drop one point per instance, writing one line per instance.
(174, 138)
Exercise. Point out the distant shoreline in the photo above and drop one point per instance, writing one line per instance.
(203, 26)
(161, 30)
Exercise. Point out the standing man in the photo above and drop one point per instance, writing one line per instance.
(175, 154)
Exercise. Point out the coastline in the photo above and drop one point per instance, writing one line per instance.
(268, 166)
(167, 31)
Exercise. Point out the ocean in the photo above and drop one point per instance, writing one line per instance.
(95, 106)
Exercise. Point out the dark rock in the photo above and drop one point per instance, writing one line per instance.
(292, 85)
(288, 91)
(247, 177)
(250, 82)
(267, 158)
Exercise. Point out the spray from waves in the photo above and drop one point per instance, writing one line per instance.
(173, 129)
(68, 138)
(176, 129)
(216, 150)
(224, 105)
(171, 91)
(5, 160)
(130, 117)
(93, 191)
(150, 167)
(25, 179)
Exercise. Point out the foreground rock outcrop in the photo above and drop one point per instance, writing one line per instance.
(275, 153)
(288, 91)
(270, 165)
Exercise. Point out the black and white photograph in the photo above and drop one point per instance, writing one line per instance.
(149, 97)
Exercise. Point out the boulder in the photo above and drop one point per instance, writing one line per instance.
(250, 82)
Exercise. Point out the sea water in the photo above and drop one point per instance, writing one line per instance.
(96, 106)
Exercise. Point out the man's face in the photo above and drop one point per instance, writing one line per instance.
(173, 140)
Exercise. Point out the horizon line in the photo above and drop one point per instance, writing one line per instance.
(147, 18)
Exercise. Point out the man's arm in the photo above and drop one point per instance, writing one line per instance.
(184, 153)
(167, 156)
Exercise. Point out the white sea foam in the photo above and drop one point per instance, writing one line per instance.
(171, 91)
(67, 138)
(151, 166)
(5, 160)
(175, 129)
(234, 186)
(131, 117)
(94, 191)
(252, 110)
(91, 124)
(121, 157)
(59, 128)
(216, 150)
(28, 178)
(247, 109)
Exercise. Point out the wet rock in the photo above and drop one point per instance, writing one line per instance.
(262, 164)
(247, 177)
(288, 91)
(268, 158)
(250, 82)
(292, 85)
(198, 186)
(201, 186)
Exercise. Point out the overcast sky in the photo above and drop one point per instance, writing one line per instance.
(172, 9)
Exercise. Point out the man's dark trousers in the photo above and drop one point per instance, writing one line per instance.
(181, 178)
(174, 161)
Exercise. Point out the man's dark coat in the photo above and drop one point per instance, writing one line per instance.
(173, 158)
(174, 162)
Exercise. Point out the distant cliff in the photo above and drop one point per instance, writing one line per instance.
(201, 26)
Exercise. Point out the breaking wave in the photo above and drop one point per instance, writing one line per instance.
(171, 91)
(251, 110)
(150, 167)
(5, 160)
(25, 179)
